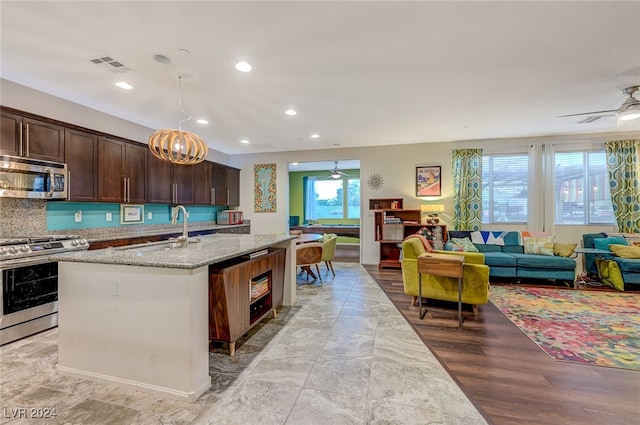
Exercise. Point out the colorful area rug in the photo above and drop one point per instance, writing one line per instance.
(590, 327)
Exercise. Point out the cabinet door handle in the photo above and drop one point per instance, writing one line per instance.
(213, 196)
(27, 155)
(228, 197)
(21, 142)
(124, 189)
(128, 189)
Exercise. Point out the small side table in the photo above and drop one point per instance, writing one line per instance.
(441, 265)
(597, 252)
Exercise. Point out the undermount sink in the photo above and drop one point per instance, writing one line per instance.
(155, 246)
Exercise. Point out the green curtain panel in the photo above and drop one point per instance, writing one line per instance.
(467, 189)
(623, 164)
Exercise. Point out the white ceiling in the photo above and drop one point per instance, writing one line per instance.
(358, 73)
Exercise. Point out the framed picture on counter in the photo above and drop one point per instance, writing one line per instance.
(131, 214)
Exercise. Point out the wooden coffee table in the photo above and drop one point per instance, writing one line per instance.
(441, 265)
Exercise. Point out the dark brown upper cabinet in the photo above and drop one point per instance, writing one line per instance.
(31, 138)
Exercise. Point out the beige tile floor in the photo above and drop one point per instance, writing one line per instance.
(342, 355)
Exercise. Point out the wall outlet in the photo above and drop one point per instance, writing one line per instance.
(78, 216)
(108, 216)
(117, 288)
(149, 215)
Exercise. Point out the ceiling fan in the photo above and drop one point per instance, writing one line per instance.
(336, 173)
(629, 110)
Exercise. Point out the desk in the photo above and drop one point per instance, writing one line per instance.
(343, 230)
(307, 237)
(441, 265)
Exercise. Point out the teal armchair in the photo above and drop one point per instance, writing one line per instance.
(475, 280)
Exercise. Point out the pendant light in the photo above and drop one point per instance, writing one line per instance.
(177, 146)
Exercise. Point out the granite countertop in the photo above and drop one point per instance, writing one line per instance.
(201, 251)
(109, 234)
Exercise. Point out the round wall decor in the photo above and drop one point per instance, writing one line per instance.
(375, 181)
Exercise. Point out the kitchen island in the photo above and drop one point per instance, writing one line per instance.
(139, 315)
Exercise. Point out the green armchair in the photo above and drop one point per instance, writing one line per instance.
(475, 280)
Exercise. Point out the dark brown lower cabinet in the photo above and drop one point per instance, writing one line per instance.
(233, 307)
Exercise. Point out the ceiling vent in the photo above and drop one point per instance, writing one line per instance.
(109, 64)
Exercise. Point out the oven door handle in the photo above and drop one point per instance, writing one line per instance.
(14, 264)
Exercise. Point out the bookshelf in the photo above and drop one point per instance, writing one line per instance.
(242, 292)
(391, 227)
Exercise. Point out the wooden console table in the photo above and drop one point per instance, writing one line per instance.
(340, 230)
(441, 265)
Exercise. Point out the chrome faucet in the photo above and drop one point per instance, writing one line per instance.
(174, 219)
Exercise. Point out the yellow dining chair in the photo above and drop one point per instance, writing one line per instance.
(329, 250)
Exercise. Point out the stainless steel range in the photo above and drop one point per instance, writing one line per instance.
(29, 280)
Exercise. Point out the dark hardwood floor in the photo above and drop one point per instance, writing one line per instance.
(509, 378)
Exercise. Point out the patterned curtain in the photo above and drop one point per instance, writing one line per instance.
(623, 164)
(467, 189)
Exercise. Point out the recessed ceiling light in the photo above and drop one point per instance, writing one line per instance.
(202, 121)
(245, 141)
(243, 66)
(124, 85)
(315, 136)
(290, 112)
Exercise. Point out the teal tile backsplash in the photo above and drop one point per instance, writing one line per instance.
(61, 215)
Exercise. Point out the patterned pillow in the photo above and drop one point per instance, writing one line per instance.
(481, 237)
(541, 246)
(466, 244)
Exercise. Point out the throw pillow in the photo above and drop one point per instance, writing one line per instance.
(495, 240)
(603, 243)
(625, 251)
(564, 249)
(541, 246)
(609, 273)
(466, 243)
(425, 242)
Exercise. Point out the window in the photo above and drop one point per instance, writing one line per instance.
(582, 188)
(504, 188)
(330, 199)
(353, 200)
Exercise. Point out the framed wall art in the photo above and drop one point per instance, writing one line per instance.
(131, 214)
(264, 176)
(428, 181)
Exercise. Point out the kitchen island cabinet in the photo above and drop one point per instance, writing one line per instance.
(234, 307)
(139, 316)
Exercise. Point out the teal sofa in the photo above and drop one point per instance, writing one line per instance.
(504, 254)
(629, 267)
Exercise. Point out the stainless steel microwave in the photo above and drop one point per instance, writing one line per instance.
(32, 178)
